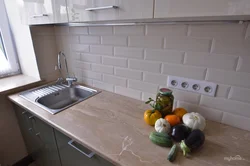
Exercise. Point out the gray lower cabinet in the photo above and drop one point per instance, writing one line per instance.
(72, 153)
(39, 138)
(50, 147)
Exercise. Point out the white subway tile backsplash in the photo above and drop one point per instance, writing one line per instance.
(187, 43)
(211, 61)
(91, 58)
(226, 105)
(78, 30)
(166, 30)
(127, 73)
(104, 86)
(145, 65)
(142, 86)
(184, 71)
(145, 41)
(135, 53)
(92, 75)
(146, 95)
(90, 39)
(103, 68)
(236, 121)
(233, 46)
(115, 80)
(121, 62)
(80, 47)
(155, 78)
(102, 30)
(222, 90)
(129, 30)
(135, 61)
(164, 55)
(103, 50)
(229, 77)
(243, 65)
(186, 96)
(240, 94)
(114, 40)
(128, 92)
(218, 31)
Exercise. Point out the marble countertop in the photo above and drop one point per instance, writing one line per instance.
(112, 126)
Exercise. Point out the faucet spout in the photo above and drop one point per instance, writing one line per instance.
(59, 65)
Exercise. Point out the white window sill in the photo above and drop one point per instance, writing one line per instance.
(13, 82)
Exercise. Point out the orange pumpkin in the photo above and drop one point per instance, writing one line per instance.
(173, 119)
(179, 112)
(151, 116)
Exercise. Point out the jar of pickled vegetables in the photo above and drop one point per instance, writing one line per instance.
(165, 100)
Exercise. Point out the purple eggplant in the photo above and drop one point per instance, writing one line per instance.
(180, 132)
(194, 141)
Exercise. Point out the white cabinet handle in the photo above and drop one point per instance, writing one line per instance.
(40, 15)
(90, 155)
(101, 8)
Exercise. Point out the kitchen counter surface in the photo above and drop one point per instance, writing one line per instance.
(112, 126)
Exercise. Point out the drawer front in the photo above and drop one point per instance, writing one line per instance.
(43, 11)
(101, 10)
(73, 153)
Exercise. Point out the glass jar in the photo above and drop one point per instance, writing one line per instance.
(164, 101)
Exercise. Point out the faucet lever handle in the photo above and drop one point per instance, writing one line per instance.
(70, 80)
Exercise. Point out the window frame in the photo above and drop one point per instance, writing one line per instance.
(8, 43)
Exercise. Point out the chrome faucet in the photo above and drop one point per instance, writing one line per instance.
(69, 79)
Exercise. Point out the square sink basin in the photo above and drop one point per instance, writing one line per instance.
(58, 97)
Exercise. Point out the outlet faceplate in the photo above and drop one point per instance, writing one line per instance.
(197, 86)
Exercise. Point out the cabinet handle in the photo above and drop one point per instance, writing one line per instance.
(90, 155)
(40, 15)
(101, 8)
(24, 112)
(31, 117)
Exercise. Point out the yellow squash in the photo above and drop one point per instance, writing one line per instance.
(151, 116)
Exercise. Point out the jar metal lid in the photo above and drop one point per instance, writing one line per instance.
(165, 91)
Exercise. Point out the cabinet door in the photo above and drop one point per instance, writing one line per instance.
(195, 8)
(49, 152)
(73, 154)
(43, 11)
(97, 10)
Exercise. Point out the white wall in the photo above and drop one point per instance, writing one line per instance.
(135, 61)
(23, 41)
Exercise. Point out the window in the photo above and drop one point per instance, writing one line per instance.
(8, 59)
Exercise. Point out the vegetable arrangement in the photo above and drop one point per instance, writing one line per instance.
(179, 126)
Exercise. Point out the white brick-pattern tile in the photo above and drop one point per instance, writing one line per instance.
(114, 40)
(143, 86)
(145, 41)
(128, 92)
(169, 56)
(229, 77)
(90, 39)
(127, 73)
(240, 94)
(187, 43)
(166, 30)
(135, 61)
(129, 30)
(184, 71)
(145, 65)
(103, 68)
(103, 50)
(115, 80)
(134, 53)
(121, 62)
(211, 61)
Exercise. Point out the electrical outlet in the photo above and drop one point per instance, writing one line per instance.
(198, 86)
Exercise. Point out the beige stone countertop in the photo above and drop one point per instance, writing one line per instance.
(112, 126)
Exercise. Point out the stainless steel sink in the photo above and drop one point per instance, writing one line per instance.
(57, 97)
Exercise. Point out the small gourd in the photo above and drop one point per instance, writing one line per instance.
(162, 126)
(194, 121)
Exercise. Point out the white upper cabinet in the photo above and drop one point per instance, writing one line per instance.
(196, 8)
(43, 11)
(98, 10)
